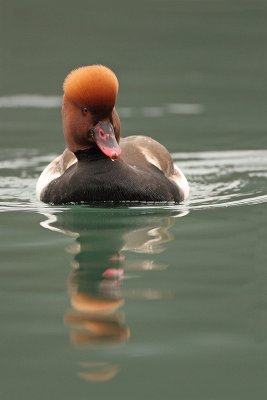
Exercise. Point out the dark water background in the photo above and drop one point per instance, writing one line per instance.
(145, 303)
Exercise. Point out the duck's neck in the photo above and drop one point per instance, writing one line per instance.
(94, 153)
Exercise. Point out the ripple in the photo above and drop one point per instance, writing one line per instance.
(224, 178)
(217, 179)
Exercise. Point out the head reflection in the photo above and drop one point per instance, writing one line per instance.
(102, 261)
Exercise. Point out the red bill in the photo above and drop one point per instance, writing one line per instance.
(104, 137)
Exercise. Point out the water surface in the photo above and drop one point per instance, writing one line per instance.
(149, 302)
(165, 296)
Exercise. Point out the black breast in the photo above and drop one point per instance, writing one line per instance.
(96, 179)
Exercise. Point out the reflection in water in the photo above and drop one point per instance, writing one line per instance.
(104, 239)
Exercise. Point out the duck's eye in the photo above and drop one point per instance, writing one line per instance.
(84, 110)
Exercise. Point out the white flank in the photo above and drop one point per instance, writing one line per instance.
(50, 173)
(180, 180)
(54, 170)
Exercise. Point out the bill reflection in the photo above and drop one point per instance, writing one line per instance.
(110, 247)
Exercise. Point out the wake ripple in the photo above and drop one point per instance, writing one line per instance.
(225, 178)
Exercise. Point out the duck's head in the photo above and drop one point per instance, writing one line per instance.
(88, 110)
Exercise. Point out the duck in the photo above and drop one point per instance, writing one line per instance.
(98, 166)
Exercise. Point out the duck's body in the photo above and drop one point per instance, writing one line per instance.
(95, 168)
(90, 176)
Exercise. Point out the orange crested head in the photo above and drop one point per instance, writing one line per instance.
(93, 86)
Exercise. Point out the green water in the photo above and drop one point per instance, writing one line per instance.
(148, 303)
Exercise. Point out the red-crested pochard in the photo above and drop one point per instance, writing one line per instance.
(97, 165)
